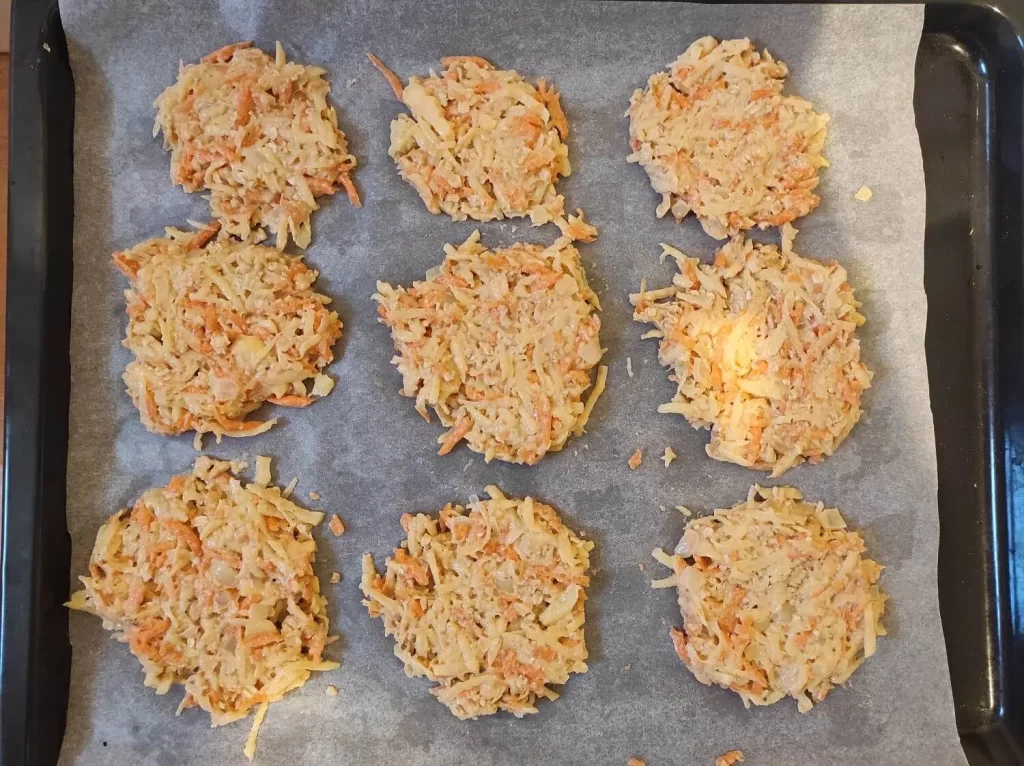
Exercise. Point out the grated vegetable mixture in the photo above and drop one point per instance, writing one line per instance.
(217, 328)
(776, 597)
(483, 143)
(486, 602)
(500, 344)
(717, 138)
(210, 582)
(763, 347)
(258, 134)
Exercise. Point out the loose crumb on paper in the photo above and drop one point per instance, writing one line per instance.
(287, 491)
(669, 456)
(642, 567)
(314, 495)
(636, 762)
(350, 83)
(322, 385)
(249, 751)
(864, 194)
(635, 459)
(46, 47)
(336, 526)
(728, 759)
(262, 477)
(332, 690)
(629, 366)
(684, 510)
(335, 578)
(661, 508)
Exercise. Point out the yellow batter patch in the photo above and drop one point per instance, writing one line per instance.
(762, 345)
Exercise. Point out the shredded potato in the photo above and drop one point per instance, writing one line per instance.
(488, 603)
(776, 597)
(500, 344)
(718, 138)
(483, 143)
(763, 348)
(219, 327)
(249, 751)
(257, 133)
(211, 584)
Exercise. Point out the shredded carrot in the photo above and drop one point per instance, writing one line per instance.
(455, 436)
(187, 534)
(351, 191)
(263, 639)
(244, 105)
(127, 267)
(391, 77)
(142, 514)
(176, 484)
(291, 401)
(730, 758)
(222, 55)
(554, 105)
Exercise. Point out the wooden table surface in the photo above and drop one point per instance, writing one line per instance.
(5, 65)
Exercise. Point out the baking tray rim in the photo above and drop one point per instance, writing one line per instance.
(37, 387)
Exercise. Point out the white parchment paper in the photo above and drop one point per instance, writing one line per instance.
(372, 458)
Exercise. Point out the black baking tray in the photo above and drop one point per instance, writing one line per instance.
(969, 101)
